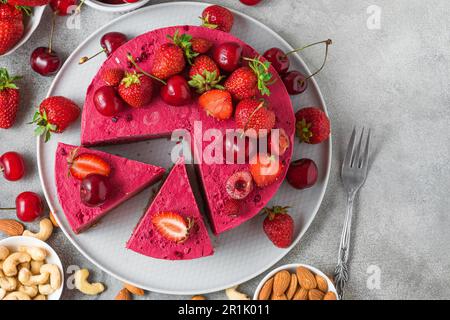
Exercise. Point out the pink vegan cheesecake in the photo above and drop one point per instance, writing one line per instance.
(176, 196)
(159, 120)
(128, 176)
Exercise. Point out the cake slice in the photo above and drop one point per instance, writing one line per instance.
(126, 178)
(172, 228)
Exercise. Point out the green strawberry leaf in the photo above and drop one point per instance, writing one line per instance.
(184, 42)
(261, 70)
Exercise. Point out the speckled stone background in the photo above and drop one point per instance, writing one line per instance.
(393, 79)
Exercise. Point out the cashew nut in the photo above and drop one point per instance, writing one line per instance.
(10, 263)
(36, 266)
(17, 295)
(55, 279)
(2, 293)
(31, 291)
(84, 286)
(233, 294)
(40, 297)
(8, 283)
(26, 278)
(45, 231)
(24, 265)
(37, 254)
(4, 252)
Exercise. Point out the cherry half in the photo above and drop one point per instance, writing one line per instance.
(176, 92)
(29, 206)
(94, 190)
(107, 101)
(109, 42)
(228, 56)
(12, 166)
(302, 174)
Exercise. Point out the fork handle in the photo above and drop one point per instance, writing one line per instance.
(341, 272)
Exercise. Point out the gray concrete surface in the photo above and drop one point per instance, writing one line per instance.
(393, 79)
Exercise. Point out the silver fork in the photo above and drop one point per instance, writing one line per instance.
(354, 174)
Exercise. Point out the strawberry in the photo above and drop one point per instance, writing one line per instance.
(8, 11)
(136, 89)
(184, 41)
(217, 17)
(11, 31)
(246, 82)
(112, 77)
(9, 99)
(80, 166)
(172, 226)
(205, 74)
(55, 114)
(168, 61)
(279, 226)
(29, 3)
(217, 103)
(200, 45)
(265, 169)
(254, 114)
(313, 125)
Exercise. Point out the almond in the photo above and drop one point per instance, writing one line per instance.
(281, 282)
(301, 294)
(292, 287)
(11, 227)
(266, 290)
(315, 294)
(134, 290)
(123, 294)
(322, 284)
(198, 298)
(53, 219)
(280, 297)
(329, 296)
(306, 278)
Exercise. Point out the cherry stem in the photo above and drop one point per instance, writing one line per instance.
(7, 208)
(52, 30)
(328, 42)
(86, 59)
(131, 59)
(327, 45)
(78, 9)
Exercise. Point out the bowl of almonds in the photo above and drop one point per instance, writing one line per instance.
(296, 282)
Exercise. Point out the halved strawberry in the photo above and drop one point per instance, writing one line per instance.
(172, 226)
(265, 169)
(85, 164)
(217, 103)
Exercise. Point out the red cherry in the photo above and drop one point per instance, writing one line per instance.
(12, 165)
(29, 206)
(94, 190)
(302, 174)
(228, 56)
(295, 82)
(107, 101)
(250, 2)
(239, 185)
(44, 61)
(278, 59)
(111, 41)
(63, 7)
(176, 92)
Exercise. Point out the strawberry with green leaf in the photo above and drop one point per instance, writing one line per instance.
(184, 41)
(9, 99)
(205, 74)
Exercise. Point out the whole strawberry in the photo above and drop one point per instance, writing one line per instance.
(136, 89)
(218, 17)
(29, 3)
(55, 115)
(9, 99)
(11, 31)
(279, 226)
(253, 115)
(205, 74)
(312, 125)
(168, 61)
(248, 82)
(8, 11)
(112, 77)
(200, 45)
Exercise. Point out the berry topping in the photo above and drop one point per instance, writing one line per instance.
(217, 103)
(200, 45)
(265, 169)
(172, 226)
(94, 190)
(239, 185)
(136, 89)
(112, 77)
(254, 117)
(205, 74)
(168, 61)
(85, 164)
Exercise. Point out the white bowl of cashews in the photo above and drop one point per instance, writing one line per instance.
(29, 270)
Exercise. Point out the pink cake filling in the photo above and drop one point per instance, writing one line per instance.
(159, 119)
(127, 176)
(175, 196)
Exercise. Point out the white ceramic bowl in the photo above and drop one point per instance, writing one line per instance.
(30, 23)
(292, 268)
(12, 243)
(115, 7)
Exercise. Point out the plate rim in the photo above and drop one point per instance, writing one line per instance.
(283, 253)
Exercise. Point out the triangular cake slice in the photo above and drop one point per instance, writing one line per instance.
(174, 199)
(128, 177)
